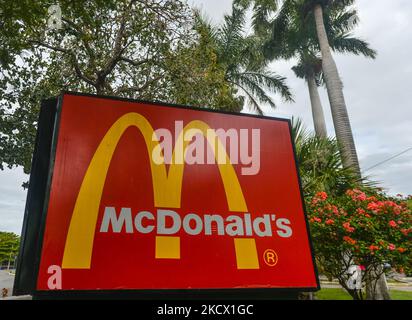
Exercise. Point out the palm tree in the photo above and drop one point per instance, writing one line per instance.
(334, 85)
(320, 164)
(244, 64)
(332, 79)
(292, 37)
(309, 68)
(317, 14)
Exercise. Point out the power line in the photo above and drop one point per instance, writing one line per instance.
(389, 159)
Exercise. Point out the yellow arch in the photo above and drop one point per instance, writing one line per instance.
(166, 186)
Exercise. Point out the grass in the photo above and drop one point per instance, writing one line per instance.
(333, 294)
(340, 294)
(401, 295)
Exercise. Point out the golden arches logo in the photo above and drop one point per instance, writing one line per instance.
(167, 188)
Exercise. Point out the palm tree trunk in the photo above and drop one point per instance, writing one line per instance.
(340, 114)
(337, 101)
(317, 110)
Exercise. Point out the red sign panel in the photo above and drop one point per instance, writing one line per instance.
(147, 196)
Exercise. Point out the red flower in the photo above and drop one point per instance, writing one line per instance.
(373, 248)
(356, 195)
(397, 210)
(317, 219)
(391, 247)
(401, 250)
(330, 221)
(360, 211)
(390, 204)
(350, 192)
(348, 228)
(405, 231)
(361, 197)
(373, 206)
(362, 267)
(322, 195)
(393, 224)
(349, 240)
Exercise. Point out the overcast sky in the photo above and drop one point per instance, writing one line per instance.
(378, 96)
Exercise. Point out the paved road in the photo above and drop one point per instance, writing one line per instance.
(6, 281)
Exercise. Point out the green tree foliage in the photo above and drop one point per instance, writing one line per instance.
(146, 49)
(293, 32)
(366, 229)
(196, 77)
(293, 35)
(9, 246)
(314, 16)
(245, 66)
(290, 32)
(320, 164)
(105, 47)
(13, 16)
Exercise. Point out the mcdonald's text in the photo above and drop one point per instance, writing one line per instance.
(169, 222)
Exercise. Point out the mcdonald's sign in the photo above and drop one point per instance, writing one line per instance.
(121, 204)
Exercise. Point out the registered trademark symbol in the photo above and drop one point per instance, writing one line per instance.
(270, 257)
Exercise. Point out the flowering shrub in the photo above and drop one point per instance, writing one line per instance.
(361, 229)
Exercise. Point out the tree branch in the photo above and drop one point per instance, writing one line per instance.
(81, 33)
(134, 63)
(124, 89)
(72, 58)
(117, 50)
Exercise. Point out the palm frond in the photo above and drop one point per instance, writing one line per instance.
(272, 82)
(320, 164)
(230, 39)
(278, 43)
(254, 88)
(231, 30)
(250, 54)
(347, 44)
(341, 21)
(203, 23)
(252, 101)
(299, 132)
(262, 11)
